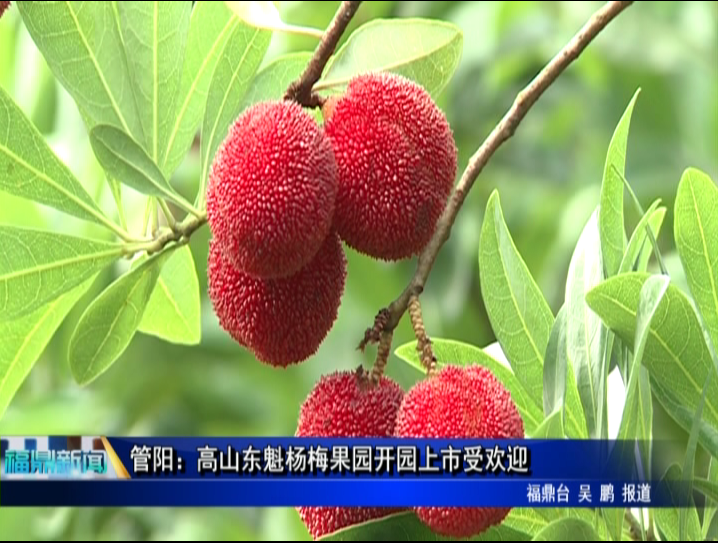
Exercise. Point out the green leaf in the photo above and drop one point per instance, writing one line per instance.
(37, 267)
(83, 47)
(667, 517)
(610, 220)
(25, 339)
(454, 352)
(124, 159)
(266, 15)
(551, 427)
(696, 235)
(211, 24)
(109, 323)
(637, 245)
(236, 67)
(518, 312)
(526, 519)
(709, 488)
(585, 334)
(271, 82)
(707, 434)
(155, 34)
(31, 170)
(689, 462)
(560, 388)
(633, 421)
(408, 527)
(173, 312)
(567, 529)
(555, 366)
(676, 353)
(426, 51)
(647, 249)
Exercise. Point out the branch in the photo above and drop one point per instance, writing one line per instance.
(179, 234)
(502, 132)
(301, 90)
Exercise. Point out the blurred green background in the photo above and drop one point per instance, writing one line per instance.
(548, 177)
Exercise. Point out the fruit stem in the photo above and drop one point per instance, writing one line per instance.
(503, 131)
(423, 343)
(301, 90)
(382, 356)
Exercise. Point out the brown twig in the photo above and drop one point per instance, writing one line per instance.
(502, 132)
(423, 343)
(373, 334)
(382, 355)
(301, 90)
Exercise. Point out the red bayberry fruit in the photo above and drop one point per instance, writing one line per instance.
(343, 404)
(272, 189)
(460, 402)
(396, 162)
(283, 321)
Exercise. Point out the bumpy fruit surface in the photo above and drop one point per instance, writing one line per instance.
(342, 405)
(272, 190)
(396, 159)
(460, 402)
(283, 321)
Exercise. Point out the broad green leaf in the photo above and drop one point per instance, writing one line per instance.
(425, 51)
(236, 67)
(676, 353)
(124, 159)
(408, 527)
(585, 334)
(24, 340)
(638, 244)
(689, 462)
(555, 366)
(610, 217)
(526, 519)
(449, 352)
(707, 434)
(551, 427)
(211, 24)
(266, 15)
(709, 487)
(173, 312)
(696, 235)
(532, 521)
(155, 35)
(560, 383)
(271, 82)
(31, 170)
(633, 422)
(518, 312)
(667, 517)
(83, 47)
(567, 529)
(109, 323)
(37, 267)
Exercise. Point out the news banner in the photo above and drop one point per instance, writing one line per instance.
(264, 472)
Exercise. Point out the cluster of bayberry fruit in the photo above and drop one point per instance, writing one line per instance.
(457, 402)
(284, 192)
